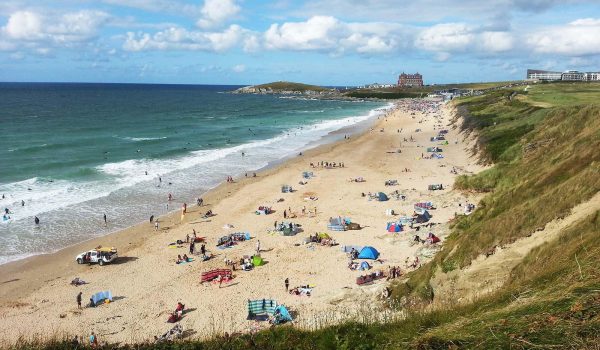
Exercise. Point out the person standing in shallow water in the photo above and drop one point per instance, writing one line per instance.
(36, 220)
(105, 223)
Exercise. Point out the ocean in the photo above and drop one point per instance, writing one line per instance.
(74, 152)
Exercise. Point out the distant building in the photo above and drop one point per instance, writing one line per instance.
(376, 86)
(410, 80)
(570, 75)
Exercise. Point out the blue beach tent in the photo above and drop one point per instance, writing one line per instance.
(382, 197)
(100, 297)
(282, 315)
(368, 253)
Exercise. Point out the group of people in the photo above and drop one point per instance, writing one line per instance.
(394, 272)
(183, 259)
(230, 179)
(324, 164)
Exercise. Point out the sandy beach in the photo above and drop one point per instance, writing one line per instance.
(147, 283)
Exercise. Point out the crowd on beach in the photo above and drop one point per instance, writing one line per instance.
(380, 267)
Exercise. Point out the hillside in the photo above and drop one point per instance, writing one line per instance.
(284, 87)
(522, 271)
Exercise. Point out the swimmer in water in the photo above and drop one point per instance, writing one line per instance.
(36, 220)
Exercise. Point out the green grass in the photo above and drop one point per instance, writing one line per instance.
(290, 86)
(564, 94)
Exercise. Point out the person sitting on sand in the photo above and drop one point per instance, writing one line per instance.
(179, 259)
(179, 309)
(185, 258)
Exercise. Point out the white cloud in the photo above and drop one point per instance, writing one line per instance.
(44, 30)
(239, 68)
(318, 33)
(176, 38)
(447, 38)
(578, 38)
(495, 41)
(217, 12)
(326, 33)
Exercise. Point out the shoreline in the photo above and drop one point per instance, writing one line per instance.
(12, 268)
(325, 139)
(147, 280)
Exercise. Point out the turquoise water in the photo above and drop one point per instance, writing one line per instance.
(73, 152)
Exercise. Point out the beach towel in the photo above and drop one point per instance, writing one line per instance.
(185, 262)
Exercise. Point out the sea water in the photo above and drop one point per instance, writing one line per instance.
(74, 152)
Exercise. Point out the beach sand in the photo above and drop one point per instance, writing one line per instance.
(36, 297)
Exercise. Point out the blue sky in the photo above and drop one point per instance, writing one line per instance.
(328, 42)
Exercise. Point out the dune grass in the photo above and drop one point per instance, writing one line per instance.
(546, 162)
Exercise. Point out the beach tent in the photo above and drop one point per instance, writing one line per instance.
(261, 307)
(286, 189)
(100, 297)
(394, 227)
(257, 261)
(282, 315)
(382, 197)
(423, 217)
(287, 231)
(368, 253)
(336, 224)
(324, 235)
(365, 265)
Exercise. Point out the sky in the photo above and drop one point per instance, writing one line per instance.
(325, 42)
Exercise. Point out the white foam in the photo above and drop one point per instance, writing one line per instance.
(76, 203)
(137, 139)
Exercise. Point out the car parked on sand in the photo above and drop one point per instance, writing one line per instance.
(99, 255)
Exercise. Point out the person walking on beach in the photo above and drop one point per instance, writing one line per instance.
(151, 218)
(287, 284)
(184, 208)
(203, 249)
(156, 225)
(258, 247)
(79, 300)
(192, 244)
(275, 225)
(284, 214)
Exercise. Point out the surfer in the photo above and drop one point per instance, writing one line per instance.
(22, 203)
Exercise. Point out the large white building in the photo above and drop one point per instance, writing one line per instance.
(570, 75)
